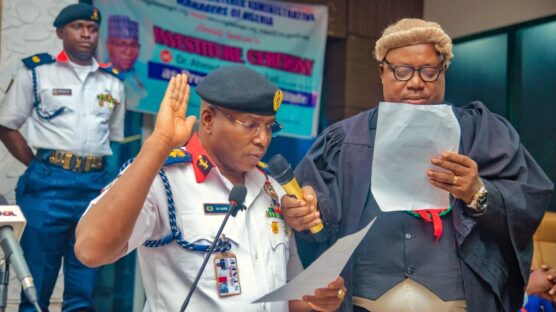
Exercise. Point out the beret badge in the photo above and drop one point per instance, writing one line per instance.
(94, 16)
(278, 97)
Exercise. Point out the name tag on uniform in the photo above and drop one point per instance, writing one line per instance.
(61, 92)
(216, 208)
(227, 275)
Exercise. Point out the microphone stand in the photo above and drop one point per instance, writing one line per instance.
(4, 280)
(234, 208)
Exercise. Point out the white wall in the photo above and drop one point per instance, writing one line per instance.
(460, 18)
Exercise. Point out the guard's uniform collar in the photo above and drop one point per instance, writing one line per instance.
(202, 164)
(105, 67)
(64, 58)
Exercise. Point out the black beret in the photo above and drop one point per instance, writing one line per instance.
(79, 11)
(240, 88)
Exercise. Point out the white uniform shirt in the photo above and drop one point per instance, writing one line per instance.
(168, 271)
(86, 126)
(260, 242)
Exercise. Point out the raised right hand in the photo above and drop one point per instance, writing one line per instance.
(301, 214)
(172, 128)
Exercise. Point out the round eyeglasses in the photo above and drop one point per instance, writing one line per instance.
(253, 128)
(406, 72)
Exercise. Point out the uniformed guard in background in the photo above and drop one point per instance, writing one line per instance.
(74, 107)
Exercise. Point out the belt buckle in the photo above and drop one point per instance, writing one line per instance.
(77, 164)
(88, 163)
(66, 162)
(53, 158)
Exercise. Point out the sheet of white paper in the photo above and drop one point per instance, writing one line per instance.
(407, 138)
(321, 272)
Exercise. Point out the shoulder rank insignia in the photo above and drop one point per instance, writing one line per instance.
(263, 167)
(111, 70)
(204, 164)
(178, 156)
(38, 59)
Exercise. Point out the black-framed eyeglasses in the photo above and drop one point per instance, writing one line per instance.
(406, 72)
(253, 128)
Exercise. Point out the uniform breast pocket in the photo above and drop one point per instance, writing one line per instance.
(102, 110)
(56, 101)
(279, 248)
(201, 230)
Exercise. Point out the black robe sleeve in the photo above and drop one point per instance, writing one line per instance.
(518, 194)
(319, 170)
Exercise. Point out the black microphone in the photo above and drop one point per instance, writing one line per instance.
(281, 171)
(236, 199)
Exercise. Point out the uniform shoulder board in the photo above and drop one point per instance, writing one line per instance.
(38, 59)
(111, 70)
(263, 167)
(178, 156)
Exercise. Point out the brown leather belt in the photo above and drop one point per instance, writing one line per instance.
(72, 162)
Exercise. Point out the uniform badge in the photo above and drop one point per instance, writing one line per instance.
(270, 191)
(204, 164)
(108, 98)
(94, 16)
(275, 227)
(274, 212)
(227, 275)
(278, 97)
(215, 208)
(56, 92)
(176, 153)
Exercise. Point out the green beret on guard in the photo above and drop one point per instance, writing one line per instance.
(242, 89)
(79, 11)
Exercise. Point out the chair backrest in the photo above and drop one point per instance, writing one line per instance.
(545, 241)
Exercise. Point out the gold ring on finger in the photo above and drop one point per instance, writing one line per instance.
(341, 293)
(455, 180)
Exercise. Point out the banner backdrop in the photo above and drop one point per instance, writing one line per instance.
(149, 41)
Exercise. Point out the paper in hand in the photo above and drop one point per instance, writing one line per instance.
(321, 272)
(407, 138)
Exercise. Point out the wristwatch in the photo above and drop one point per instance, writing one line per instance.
(479, 201)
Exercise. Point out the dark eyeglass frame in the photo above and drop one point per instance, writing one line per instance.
(420, 69)
(253, 128)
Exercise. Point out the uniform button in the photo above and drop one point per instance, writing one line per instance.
(410, 270)
(408, 236)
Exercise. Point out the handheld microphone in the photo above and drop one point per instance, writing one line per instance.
(12, 223)
(236, 199)
(282, 172)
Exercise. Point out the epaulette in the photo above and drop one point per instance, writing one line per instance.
(263, 167)
(112, 71)
(178, 156)
(38, 59)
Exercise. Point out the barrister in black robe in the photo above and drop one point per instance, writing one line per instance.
(484, 255)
